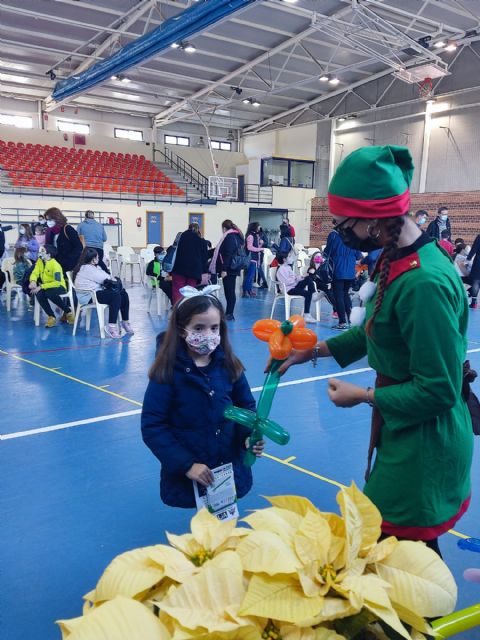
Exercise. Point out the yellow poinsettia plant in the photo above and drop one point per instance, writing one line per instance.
(293, 573)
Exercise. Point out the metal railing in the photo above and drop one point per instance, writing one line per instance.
(255, 193)
(185, 169)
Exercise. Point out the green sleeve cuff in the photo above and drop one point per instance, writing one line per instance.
(348, 347)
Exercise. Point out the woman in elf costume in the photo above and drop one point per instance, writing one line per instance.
(413, 330)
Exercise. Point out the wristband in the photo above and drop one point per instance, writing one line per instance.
(369, 401)
(315, 355)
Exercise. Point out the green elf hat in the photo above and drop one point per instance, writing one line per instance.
(372, 182)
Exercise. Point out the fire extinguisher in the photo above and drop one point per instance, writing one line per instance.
(139, 222)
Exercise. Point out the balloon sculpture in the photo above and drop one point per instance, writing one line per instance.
(282, 338)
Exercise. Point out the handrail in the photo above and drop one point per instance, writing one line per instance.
(185, 169)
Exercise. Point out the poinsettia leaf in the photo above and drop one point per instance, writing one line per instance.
(265, 552)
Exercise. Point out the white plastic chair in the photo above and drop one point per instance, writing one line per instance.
(312, 250)
(128, 258)
(38, 309)
(282, 294)
(161, 298)
(10, 284)
(146, 256)
(93, 305)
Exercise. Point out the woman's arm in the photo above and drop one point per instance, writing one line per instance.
(251, 247)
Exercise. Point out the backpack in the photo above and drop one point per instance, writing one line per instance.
(169, 260)
(324, 273)
(240, 259)
(286, 245)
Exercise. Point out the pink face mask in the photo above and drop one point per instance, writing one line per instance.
(202, 343)
(317, 259)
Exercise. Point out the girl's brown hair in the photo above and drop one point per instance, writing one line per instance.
(28, 230)
(393, 229)
(228, 224)
(163, 365)
(55, 214)
(19, 254)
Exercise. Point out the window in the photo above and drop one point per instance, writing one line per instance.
(129, 134)
(23, 122)
(287, 173)
(72, 127)
(183, 142)
(221, 146)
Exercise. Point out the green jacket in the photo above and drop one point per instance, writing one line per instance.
(50, 272)
(421, 474)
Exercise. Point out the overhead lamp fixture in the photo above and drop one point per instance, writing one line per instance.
(325, 77)
(125, 80)
(451, 46)
(51, 74)
(255, 103)
(230, 136)
(175, 45)
(188, 48)
(290, 1)
(439, 44)
(425, 41)
(114, 77)
(342, 119)
(334, 80)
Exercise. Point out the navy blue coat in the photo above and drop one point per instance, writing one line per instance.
(343, 258)
(183, 423)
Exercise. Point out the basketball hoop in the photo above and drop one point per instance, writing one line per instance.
(223, 188)
(425, 89)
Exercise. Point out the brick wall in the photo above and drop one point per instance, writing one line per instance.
(464, 212)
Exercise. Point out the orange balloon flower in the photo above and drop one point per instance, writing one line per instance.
(282, 337)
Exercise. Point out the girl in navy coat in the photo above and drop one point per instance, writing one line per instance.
(194, 377)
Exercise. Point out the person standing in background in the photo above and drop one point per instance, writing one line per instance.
(223, 263)
(190, 261)
(441, 223)
(92, 236)
(421, 218)
(2, 236)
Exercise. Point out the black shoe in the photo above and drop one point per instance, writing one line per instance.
(229, 316)
(264, 286)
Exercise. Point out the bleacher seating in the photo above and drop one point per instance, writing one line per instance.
(46, 167)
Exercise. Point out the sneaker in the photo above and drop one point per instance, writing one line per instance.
(70, 318)
(341, 327)
(51, 322)
(128, 327)
(63, 318)
(335, 315)
(473, 305)
(309, 318)
(111, 331)
(229, 316)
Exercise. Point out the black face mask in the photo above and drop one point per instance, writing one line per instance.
(351, 240)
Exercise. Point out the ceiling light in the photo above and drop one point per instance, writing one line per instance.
(246, 101)
(342, 119)
(114, 77)
(189, 48)
(324, 77)
(255, 103)
(290, 1)
(451, 46)
(439, 44)
(230, 136)
(125, 80)
(334, 80)
(174, 45)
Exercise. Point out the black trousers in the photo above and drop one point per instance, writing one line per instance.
(305, 288)
(117, 301)
(101, 263)
(45, 296)
(229, 283)
(343, 303)
(431, 544)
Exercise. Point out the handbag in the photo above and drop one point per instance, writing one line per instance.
(114, 285)
(240, 259)
(169, 260)
(325, 271)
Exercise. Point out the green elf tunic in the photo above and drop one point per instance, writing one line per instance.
(420, 481)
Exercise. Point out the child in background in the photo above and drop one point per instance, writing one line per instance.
(446, 244)
(40, 235)
(194, 378)
(154, 270)
(26, 239)
(21, 264)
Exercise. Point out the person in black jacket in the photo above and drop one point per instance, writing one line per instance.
(221, 263)
(190, 261)
(66, 239)
(441, 223)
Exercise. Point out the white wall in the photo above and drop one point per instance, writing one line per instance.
(226, 161)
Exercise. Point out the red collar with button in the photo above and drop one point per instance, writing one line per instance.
(399, 267)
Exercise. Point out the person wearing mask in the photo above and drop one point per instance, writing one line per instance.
(154, 270)
(92, 235)
(89, 276)
(64, 237)
(441, 223)
(290, 228)
(254, 247)
(3, 229)
(419, 478)
(421, 217)
(319, 270)
(40, 221)
(223, 263)
(261, 280)
(47, 284)
(296, 286)
(343, 260)
(190, 267)
(26, 240)
(39, 235)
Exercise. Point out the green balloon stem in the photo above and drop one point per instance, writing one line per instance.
(258, 421)
(457, 622)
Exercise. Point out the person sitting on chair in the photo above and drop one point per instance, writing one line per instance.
(296, 286)
(89, 276)
(154, 270)
(48, 285)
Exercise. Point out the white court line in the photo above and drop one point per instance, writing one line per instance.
(68, 425)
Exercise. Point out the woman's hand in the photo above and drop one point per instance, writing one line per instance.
(223, 274)
(345, 394)
(201, 474)
(257, 448)
(296, 357)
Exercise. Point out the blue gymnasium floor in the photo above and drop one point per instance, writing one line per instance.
(75, 496)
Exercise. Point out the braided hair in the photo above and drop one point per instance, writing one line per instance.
(394, 228)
